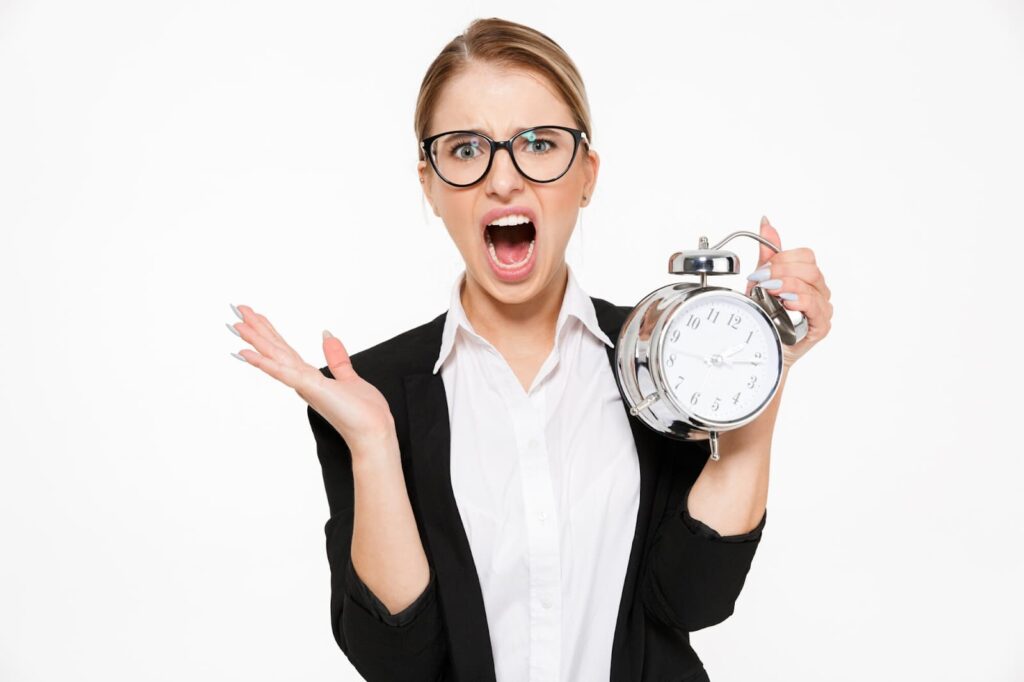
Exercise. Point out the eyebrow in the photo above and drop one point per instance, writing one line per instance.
(482, 130)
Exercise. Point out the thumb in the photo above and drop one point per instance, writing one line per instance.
(765, 253)
(337, 357)
(772, 235)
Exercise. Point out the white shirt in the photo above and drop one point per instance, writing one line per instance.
(547, 483)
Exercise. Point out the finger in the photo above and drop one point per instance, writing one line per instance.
(338, 360)
(259, 340)
(285, 372)
(767, 231)
(270, 328)
(262, 326)
(808, 272)
(798, 255)
(808, 300)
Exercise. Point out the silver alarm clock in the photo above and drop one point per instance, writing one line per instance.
(694, 360)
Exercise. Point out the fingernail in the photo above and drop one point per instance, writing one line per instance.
(233, 330)
(240, 357)
(764, 220)
(770, 284)
(761, 274)
(328, 335)
(236, 311)
(787, 296)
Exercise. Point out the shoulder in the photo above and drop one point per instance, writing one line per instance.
(610, 316)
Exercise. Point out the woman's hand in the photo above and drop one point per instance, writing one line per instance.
(794, 276)
(354, 407)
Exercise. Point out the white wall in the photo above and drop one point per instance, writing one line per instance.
(161, 507)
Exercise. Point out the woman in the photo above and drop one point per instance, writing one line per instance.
(495, 513)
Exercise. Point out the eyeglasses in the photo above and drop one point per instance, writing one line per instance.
(541, 154)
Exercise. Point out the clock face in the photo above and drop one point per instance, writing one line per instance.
(720, 357)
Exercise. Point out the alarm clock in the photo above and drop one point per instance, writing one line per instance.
(694, 360)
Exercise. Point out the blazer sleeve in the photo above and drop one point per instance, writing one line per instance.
(694, 575)
(406, 646)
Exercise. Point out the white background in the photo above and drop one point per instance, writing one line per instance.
(161, 506)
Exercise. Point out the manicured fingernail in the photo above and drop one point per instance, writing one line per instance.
(770, 284)
(236, 311)
(787, 296)
(761, 274)
(328, 335)
(233, 330)
(240, 357)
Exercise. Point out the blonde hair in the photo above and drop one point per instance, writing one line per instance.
(503, 43)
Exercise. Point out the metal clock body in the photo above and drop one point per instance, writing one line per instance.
(694, 360)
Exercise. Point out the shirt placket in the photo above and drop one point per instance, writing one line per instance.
(542, 536)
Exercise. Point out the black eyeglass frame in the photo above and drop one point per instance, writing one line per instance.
(577, 135)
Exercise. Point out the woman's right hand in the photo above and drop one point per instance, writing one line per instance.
(353, 406)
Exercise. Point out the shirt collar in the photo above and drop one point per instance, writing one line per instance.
(576, 303)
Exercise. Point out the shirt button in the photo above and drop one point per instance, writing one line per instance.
(533, 444)
(542, 516)
(545, 602)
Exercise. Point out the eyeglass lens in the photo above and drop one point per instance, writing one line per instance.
(542, 154)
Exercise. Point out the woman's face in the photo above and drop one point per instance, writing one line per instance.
(499, 102)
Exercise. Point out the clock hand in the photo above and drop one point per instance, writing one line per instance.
(735, 349)
(743, 362)
(705, 359)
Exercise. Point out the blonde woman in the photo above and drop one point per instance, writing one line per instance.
(495, 513)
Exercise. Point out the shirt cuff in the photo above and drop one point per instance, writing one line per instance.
(370, 601)
(701, 529)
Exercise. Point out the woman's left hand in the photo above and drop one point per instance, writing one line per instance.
(789, 274)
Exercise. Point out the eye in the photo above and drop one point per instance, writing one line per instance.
(536, 142)
(464, 148)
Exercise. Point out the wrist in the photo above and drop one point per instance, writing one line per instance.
(371, 450)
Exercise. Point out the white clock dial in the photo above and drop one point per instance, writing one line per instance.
(719, 357)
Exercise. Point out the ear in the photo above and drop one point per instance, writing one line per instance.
(427, 184)
(592, 162)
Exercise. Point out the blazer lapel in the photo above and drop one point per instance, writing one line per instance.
(458, 584)
(627, 642)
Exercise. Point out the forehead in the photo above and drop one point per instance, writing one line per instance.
(498, 101)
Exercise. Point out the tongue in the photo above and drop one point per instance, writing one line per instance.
(511, 243)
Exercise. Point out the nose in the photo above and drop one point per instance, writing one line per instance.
(503, 178)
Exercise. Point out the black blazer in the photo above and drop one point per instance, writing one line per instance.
(681, 576)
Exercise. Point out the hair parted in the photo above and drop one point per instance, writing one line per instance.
(503, 43)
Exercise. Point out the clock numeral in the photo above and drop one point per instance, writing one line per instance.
(713, 315)
(671, 360)
(736, 398)
(674, 336)
(681, 380)
(736, 318)
(692, 321)
(753, 380)
(714, 405)
(695, 397)
(749, 335)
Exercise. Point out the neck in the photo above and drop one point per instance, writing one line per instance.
(523, 327)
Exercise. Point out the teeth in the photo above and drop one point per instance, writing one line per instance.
(508, 266)
(508, 220)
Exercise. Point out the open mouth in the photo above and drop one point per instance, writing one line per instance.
(510, 245)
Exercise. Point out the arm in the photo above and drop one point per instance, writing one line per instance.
(393, 631)
(695, 574)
